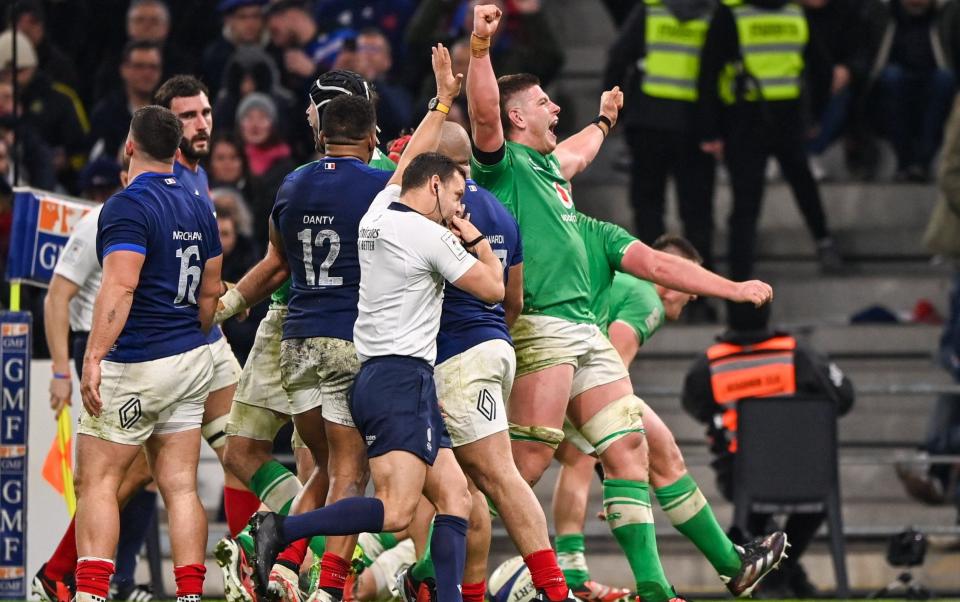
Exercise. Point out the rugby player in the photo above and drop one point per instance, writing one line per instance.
(261, 406)
(148, 368)
(564, 363)
(474, 375)
(405, 255)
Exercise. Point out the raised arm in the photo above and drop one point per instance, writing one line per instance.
(121, 275)
(56, 327)
(579, 150)
(427, 136)
(210, 287)
(684, 275)
(483, 93)
(261, 280)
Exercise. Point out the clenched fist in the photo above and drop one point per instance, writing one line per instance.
(753, 291)
(611, 102)
(486, 19)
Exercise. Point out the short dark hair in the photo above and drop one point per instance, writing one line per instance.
(686, 248)
(157, 132)
(33, 8)
(347, 118)
(426, 165)
(510, 86)
(282, 6)
(135, 45)
(176, 87)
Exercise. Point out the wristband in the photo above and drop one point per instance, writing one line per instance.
(230, 304)
(474, 242)
(61, 375)
(602, 120)
(479, 45)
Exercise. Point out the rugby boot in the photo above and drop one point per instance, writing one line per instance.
(51, 590)
(412, 590)
(284, 584)
(132, 593)
(322, 595)
(266, 528)
(237, 574)
(591, 591)
(543, 597)
(758, 557)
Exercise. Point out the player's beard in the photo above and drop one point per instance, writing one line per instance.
(188, 151)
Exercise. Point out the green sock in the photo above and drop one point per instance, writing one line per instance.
(318, 544)
(275, 486)
(572, 559)
(423, 568)
(627, 505)
(691, 514)
(372, 545)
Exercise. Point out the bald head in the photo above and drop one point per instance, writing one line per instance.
(455, 143)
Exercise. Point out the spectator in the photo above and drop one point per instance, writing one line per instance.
(388, 16)
(710, 396)
(750, 108)
(250, 69)
(147, 21)
(838, 69)
(242, 26)
(140, 72)
(239, 255)
(33, 157)
(54, 110)
(914, 83)
(31, 21)
(100, 179)
(229, 201)
(227, 164)
(268, 157)
(373, 62)
(525, 44)
(302, 50)
(660, 111)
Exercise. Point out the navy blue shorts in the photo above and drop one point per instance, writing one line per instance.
(394, 405)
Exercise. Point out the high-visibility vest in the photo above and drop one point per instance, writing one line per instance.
(765, 369)
(672, 60)
(771, 47)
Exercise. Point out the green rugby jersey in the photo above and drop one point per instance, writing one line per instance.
(379, 160)
(605, 244)
(636, 303)
(556, 281)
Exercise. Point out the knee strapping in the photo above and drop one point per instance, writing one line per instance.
(617, 420)
(538, 434)
(215, 431)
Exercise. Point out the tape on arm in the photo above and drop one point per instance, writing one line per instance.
(230, 304)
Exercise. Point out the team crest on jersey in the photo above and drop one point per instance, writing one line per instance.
(170, 181)
(564, 195)
(330, 165)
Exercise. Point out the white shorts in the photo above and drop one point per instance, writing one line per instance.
(160, 397)
(260, 379)
(388, 565)
(226, 368)
(543, 342)
(318, 372)
(472, 388)
(259, 424)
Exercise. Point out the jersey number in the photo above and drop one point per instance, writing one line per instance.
(502, 256)
(189, 275)
(320, 277)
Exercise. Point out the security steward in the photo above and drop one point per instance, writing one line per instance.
(660, 45)
(751, 360)
(750, 108)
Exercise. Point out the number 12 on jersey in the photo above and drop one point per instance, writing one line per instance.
(320, 276)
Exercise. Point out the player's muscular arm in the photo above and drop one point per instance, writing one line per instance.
(56, 327)
(578, 151)
(513, 300)
(427, 136)
(483, 94)
(121, 275)
(485, 279)
(684, 275)
(624, 340)
(266, 276)
(209, 294)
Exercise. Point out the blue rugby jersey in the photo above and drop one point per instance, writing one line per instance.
(317, 213)
(467, 321)
(156, 216)
(197, 185)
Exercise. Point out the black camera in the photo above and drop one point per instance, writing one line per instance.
(907, 548)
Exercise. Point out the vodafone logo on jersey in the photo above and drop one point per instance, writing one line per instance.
(564, 195)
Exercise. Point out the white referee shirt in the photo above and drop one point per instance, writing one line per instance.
(78, 264)
(404, 260)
